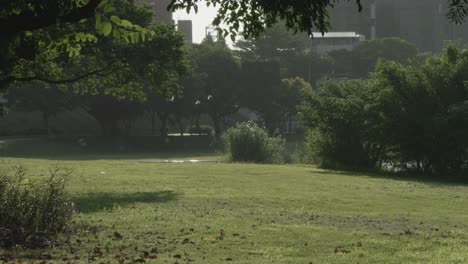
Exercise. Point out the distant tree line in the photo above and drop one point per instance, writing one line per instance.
(176, 85)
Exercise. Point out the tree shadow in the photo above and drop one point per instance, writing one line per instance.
(42, 148)
(94, 202)
(396, 176)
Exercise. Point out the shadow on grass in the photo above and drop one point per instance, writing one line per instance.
(397, 176)
(94, 202)
(42, 148)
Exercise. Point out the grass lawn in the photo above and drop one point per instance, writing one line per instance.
(242, 213)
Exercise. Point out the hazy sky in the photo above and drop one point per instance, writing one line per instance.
(200, 21)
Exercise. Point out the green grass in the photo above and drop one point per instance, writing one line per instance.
(245, 213)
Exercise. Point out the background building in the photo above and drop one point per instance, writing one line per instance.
(185, 26)
(335, 41)
(422, 22)
(161, 15)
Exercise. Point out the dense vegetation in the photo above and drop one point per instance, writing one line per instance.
(411, 117)
(247, 142)
(408, 112)
(32, 212)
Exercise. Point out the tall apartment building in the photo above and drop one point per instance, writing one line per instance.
(185, 26)
(161, 15)
(422, 22)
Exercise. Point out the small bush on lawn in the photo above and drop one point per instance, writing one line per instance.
(32, 212)
(247, 142)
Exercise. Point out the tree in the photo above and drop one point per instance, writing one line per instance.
(273, 99)
(344, 124)
(29, 28)
(253, 16)
(276, 43)
(32, 31)
(291, 51)
(262, 86)
(426, 113)
(49, 101)
(291, 95)
(115, 116)
(216, 62)
(413, 117)
(149, 76)
(26, 15)
(361, 60)
(162, 107)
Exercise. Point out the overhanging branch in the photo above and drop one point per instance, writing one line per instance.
(25, 21)
(101, 72)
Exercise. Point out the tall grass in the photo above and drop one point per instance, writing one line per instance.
(32, 212)
(247, 142)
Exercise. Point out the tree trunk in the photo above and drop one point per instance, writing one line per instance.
(153, 123)
(109, 128)
(45, 119)
(181, 127)
(197, 121)
(217, 126)
(163, 118)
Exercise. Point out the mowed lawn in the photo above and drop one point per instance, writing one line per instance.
(244, 213)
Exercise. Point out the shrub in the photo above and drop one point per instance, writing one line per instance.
(413, 117)
(32, 212)
(247, 142)
(344, 124)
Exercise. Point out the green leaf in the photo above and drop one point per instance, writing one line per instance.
(106, 28)
(102, 4)
(116, 34)
(126, 23)
(115, 19)
(98, 21)
(16, 11)
(109, 9)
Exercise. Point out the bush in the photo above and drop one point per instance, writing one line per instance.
(413, 117)
(344, 124)
(246, 142)
(32, 212)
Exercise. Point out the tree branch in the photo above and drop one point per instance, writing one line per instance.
(14, 24)
(100, 72)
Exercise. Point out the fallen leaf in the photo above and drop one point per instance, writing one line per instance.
(340, 250)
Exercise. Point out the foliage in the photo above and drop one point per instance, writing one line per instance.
(344, 121)
(37, 32)
(49, 101)
(115, 116)
(413, 117)
(273, 99)
(251, 17)
(361, 60)
(247, 142)
(291, 51)
(262, 88)
(32, 212)
(273, 44)
(216, 64)
(426, 113)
